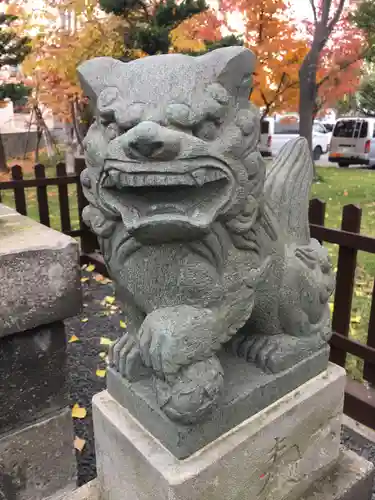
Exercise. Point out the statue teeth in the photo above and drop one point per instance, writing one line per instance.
(199, 176)
(109, 181)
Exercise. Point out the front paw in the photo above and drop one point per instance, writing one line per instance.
(173, 337)
(124, 356)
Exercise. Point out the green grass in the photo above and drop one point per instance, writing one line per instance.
(340, 187)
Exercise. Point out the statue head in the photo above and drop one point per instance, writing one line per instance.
(173, 145)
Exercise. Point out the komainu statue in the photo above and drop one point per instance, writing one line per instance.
(208, 251)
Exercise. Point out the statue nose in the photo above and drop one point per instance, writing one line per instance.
(146, 147)
(148, 140)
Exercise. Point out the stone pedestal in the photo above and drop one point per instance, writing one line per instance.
(39, 287)
(279, 453)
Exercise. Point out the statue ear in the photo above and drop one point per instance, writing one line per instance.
(234, 69)
(95, 75)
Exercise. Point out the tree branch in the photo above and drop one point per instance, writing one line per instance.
(336, 16)
(325, 12)
(312, 3)
(343, 66)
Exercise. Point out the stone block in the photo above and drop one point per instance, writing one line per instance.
(38, 461)
(32, 375)
(350, 479)
(39, 274)
(277, 453)
(247, 390)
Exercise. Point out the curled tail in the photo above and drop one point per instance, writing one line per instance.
(287, 190)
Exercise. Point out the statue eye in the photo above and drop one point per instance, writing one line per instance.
(207, 130)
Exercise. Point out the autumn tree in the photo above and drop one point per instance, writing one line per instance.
(366, 96)
(333, 62)
(340, 62)
(363, 18)
(148, 25)
(272, 35)
(54, 60)
(13, 50)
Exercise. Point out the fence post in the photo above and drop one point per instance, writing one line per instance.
(19, 192)
(369, 368)
(89, 242)
(346, 267)
(63, 200)
(317, 212)
(41, 194)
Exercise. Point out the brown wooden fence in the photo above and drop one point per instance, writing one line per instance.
(360, 398)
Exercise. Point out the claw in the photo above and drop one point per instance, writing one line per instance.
(123, 355)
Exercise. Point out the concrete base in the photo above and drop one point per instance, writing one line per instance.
(247, 391)
(278, 453)
(350, 479)
(38, 461)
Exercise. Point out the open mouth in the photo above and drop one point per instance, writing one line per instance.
(157, 205)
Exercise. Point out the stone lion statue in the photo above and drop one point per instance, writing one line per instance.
(208, 251)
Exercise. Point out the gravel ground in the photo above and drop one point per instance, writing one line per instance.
(102, 320)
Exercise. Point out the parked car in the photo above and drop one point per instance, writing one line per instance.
(274, 134)
(353, 142)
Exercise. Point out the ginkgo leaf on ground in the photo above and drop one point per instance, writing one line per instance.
(72, 339)
(109, 299)
(83, 280)
(79, 443)
(102, 354)
(84, 320)
(102, 279)
(106, 341)
(122, 324)
(90, 268)
(100, 373)
(78, 411)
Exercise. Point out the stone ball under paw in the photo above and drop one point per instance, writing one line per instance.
(193, 392)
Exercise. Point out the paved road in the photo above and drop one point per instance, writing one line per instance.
(323, 162)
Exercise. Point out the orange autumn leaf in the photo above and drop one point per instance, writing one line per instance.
(79, 443)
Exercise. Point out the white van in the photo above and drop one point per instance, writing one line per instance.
(353, 142)
(274, 134)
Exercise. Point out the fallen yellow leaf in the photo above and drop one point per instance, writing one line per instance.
(79, 443)
(90, 268)
(83, 280)
(72, 339)
(122, 324)
(331, 307)
(102, 354)
(109, 299)
(78, 411)
(100, 373)
(105, 341)
(84, 320)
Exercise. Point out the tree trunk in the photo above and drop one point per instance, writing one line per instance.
(307, 76)
(3, 159)
(308, 94)
(69, 149)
